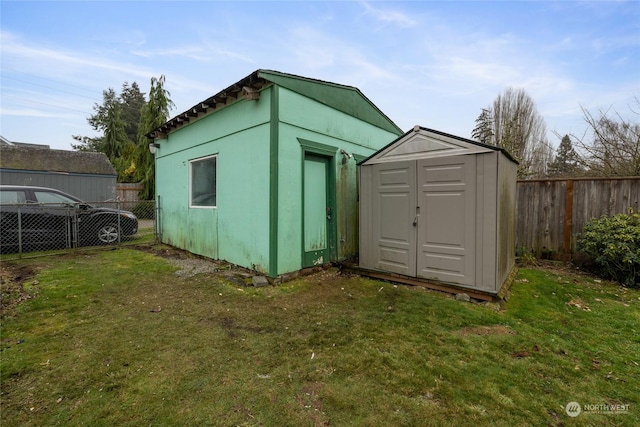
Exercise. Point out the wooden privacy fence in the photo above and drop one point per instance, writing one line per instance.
(551, 212)
(128, 193)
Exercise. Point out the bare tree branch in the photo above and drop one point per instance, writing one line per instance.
(612, 143)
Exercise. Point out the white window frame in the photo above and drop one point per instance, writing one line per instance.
(191, 162)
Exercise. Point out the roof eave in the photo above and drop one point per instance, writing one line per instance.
(244, 88)
(248, 88)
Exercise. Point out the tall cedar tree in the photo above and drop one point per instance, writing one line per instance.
(567, 162)
(123, 120)
(115, 138)
(98, 122)
(117, 119)
(130, 101)
(483, 131)
(153, 115)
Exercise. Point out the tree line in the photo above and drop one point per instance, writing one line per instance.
(123, 120)
(609, 147)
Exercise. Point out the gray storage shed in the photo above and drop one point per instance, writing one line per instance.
(439, 207)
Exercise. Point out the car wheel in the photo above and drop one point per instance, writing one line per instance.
(108, 233)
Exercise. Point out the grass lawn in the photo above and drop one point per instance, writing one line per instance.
(118, 338)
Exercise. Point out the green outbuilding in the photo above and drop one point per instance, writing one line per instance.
(263, 174)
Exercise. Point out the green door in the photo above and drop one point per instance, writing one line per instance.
(317, 211)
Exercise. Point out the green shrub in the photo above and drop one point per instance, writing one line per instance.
(614, 244)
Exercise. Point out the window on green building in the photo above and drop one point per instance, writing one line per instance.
(203, 182)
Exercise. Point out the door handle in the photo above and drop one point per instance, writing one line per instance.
(415, 220)
(329, 212)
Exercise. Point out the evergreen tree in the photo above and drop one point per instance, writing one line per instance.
(119, 120)
(566, 162)
(153, 115)
(129, 101)
(115, 138)
(87, 143)
(98, 122)
(483, 131)
(132, 101)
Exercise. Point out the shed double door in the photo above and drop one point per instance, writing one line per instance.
(424, 218)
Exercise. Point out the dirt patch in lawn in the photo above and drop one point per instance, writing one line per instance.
(309, 398)
(17, 285)
(559, 267)
(164, 251)
(190, 265)
(486, 330)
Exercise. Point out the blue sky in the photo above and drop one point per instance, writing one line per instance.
(429, 63)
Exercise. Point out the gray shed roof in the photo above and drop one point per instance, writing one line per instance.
(42, 159)
(421, 142)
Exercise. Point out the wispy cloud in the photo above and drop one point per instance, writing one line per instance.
(202, 53)
(28, 112)
(389, 16)
(124, 39)
(606, 45)
(319, 50)
(23, 55)
(313, 48)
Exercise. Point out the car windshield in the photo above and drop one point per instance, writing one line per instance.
(49, 197)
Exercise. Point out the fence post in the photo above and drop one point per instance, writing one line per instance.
(568, 220)
(118, 208)
(158, 222)
(20, 230)
(72, 229)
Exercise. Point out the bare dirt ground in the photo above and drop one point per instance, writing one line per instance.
(13, 286)
(189, 264)
(558, 267)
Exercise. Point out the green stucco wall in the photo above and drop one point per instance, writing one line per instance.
(246, 136)
(237, 230)
(304, 119)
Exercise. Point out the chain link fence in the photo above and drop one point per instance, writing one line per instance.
(34, 227)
